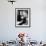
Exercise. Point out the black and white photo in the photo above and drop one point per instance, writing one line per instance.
(22, 16)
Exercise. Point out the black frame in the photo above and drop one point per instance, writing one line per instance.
(29, 18)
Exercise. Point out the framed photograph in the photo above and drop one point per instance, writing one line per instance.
(22, 17)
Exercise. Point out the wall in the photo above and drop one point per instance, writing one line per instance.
(8, 31)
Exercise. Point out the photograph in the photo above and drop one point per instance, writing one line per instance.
(22, 17)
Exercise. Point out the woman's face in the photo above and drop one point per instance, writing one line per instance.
(23, 14)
